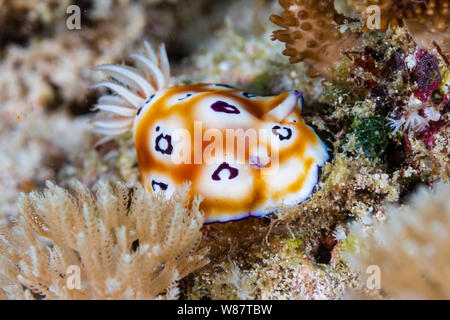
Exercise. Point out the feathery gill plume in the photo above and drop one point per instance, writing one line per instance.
(131, 87)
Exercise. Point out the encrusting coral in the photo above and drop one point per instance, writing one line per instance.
(127, 245)
(411, 248)
(312, 34)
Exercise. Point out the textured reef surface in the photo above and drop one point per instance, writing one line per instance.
(379, 99)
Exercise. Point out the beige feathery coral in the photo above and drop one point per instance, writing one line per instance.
(125, 246)
(312, 34)
(411, 248)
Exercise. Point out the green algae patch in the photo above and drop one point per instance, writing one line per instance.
(372, 135)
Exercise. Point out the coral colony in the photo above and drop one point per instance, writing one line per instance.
(329, 164)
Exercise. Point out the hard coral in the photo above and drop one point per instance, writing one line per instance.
(312, 34)
(124, 246)
(426, 20)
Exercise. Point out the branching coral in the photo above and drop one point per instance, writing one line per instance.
(312, 34)
(125, 246)
(412, 247)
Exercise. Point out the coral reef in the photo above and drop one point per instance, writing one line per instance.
(124, 245)
(30, 154)
(288, 274)
(411, 249)
(315, 31)
(20, 18)
(44, 81)
(427, 21)
(432, 14)
(383, 114)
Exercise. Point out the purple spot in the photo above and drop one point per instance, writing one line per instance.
(257, 162)
(222, 106)
(169, 148)
(225, 166)
(288, 132)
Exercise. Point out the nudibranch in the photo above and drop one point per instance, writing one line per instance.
(245, 155)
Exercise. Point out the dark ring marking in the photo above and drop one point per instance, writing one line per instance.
(222, 106)
(225, 166)
(286, 137)
(223, 86)
(169, 148)
(163, 186)
(248, 95)
(139, 110)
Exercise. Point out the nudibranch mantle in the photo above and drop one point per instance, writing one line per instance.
(245, 155)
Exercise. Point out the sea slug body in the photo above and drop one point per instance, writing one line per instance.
(245, 155)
